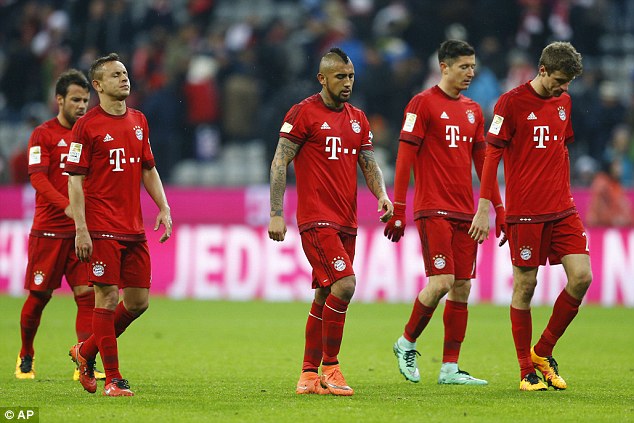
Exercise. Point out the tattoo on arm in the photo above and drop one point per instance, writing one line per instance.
(284, 154)
(372, 173)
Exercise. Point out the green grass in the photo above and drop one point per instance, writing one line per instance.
(239, 362)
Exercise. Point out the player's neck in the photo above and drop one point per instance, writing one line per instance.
(113, 107)
(448, 89)
(537, 85)
(329, 102)
(63, 121)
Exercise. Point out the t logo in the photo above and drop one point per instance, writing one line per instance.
(62, 162)
(452, 134)
(541, 135)
(333, 146)
(117, 158)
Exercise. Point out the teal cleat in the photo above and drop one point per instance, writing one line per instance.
(407, 363)
(450, 374)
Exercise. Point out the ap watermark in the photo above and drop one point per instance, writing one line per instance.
(20, 414)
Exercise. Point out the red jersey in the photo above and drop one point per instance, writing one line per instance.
(48, 148)
(534, 131)
(326, 164)
(446, 130)
(111, 151)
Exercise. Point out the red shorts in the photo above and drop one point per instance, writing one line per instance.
(532, 244)
(49, 260)
(447, 247)
(330, 253)
(122, 263)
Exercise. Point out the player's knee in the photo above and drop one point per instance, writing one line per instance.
(138, 308)
(580, 282)
(344, 288)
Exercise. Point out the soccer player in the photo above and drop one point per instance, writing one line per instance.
(442, 137)
(51, 252)
(108, 159)
(531, 129)
(326, 138)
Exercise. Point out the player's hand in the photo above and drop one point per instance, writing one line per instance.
(479, 229)
(277, 228)
(165, 218)
(386, 206)
(395, 227)
(83, 245)
(500, 224)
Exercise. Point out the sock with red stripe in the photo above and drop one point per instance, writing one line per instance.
(455, 321)
(30, 321)
(83, 321)
(564, 311)
(104, 335)
(522, 326)
(334, 318)
(418, 320)
(313, 348)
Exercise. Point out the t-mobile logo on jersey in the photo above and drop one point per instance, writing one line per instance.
(541, 135)
(452, 134)
(333, 146)
(117, 158)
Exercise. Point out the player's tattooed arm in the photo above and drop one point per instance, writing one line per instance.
(284, 154)
(374, 179)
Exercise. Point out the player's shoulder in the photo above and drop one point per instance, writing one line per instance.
(469, 102)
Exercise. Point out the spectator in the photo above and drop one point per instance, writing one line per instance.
(609, 205)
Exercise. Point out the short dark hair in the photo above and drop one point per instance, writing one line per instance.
(340, 53)
(95, 68)
(68, 78)
(452, 49)
(561, 56)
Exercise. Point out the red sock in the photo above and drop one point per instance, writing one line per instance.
(565, 309)
(455, 321)
(421, 315)
(30, 321)
(334, 318)
(103, 333)
(312, 348)
(522, 326)
(83, 321)
(122, 319)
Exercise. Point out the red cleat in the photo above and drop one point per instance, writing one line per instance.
(118, 388)
(86, 369)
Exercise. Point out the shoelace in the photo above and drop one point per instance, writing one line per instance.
(121, 383)
(553, 364)
(90, 368)
(462, 372)
(410, 356)
(26, 364)
(533, 378)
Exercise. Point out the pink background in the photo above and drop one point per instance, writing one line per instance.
(220, 250)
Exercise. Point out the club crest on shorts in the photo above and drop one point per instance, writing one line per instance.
(38, 277)
(339, 264)
(470, 116)
(138, 132)
(355, 126)
(562, 112)
(526, 252)
(440, 262)
(98, 268)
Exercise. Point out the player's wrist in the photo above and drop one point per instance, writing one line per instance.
(276, 213)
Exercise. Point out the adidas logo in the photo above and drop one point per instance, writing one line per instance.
(531, 116)
(107, 138)
(62, 143)
(325, 126)
(444, 115)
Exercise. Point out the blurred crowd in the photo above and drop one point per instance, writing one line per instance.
(215, 77)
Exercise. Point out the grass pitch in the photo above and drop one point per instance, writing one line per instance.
(238, 362)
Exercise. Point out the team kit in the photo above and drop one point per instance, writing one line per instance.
(88, 166)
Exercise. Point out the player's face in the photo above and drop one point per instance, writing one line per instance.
(75, 104)
(338, 81)
(114, 80)
(555, 83)
(460, 73)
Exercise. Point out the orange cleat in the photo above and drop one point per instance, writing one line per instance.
(86, 369)
(549, 369)
(333, 380)
(310, 383)
(118, 388)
